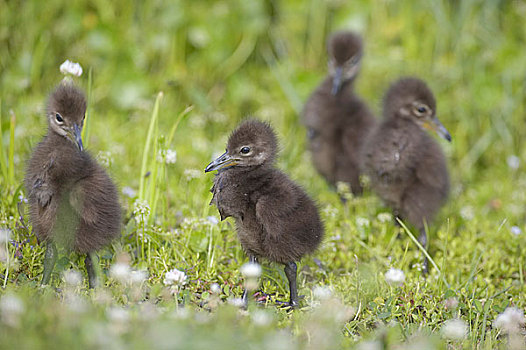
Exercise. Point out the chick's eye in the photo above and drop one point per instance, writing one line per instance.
(59, 119)
(245, 150)
(422, 109)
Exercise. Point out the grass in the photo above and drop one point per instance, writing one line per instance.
(214, 63)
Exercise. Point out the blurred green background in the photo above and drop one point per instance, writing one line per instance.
(231, 59)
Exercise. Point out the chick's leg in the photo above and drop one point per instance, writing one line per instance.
(422, 239)
(50, 259)
(291, 271)
(92, 262)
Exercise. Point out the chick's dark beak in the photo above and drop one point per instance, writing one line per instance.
(223, 161)
(77, 133)
(337, 81)
(440, 129)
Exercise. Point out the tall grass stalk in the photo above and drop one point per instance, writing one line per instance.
(156, 172)
(3, 156)
(11, 159)
(211, 250)
(316, 25)
(7, 263)
(424, 251)
(148, 162)
(87, 122)
(159, 175)
(284, 83)
(148, 145)
(239, 56)
(180, 117)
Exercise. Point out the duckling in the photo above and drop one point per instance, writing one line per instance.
(275, 218)
(337, 120)
(406, 166)
(73, 202)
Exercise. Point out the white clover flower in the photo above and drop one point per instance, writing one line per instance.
(75, 303)
(251, 270)
(330, 211)
(129, 192)
(118, 315)
(168, 156)
(513, 162)
(105, 158)
(118, 320)
(516, 230)
(72, 277)
(11, 307)
(198, 36)
(148, 311)
(215, 288)
(418, 266)
(222, 117)
(212, 219)
(10, 303)
(188, 223)
(395, 276)
(138, 277)
(141, 208)
(454, 329)
(510, 320)
(467, 212)
(190, 174)
(102, 296)
(72, 68)
(384, 217)
(120, 271)
(174, 277)
(171, 156)
(5, 235)
(180, 313)
(3, 253)
(202, 317)
(362, 222)
(370, 345)
(261, 318)
(451, 303)
(237, 302)
(322, 293)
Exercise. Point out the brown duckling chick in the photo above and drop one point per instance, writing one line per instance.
(406, 166)
(275, 218)
(337, 120)
(73, 202)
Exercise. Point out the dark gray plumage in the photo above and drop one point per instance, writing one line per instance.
(406, 166)
(73, 202)
(275, 218)
(337, 120)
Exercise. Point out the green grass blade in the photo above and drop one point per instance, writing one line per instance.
(148, 143)
(284, 83)
(3, 157)
(11, 160)
(87, 122)
(181, 115)
(424, 251)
